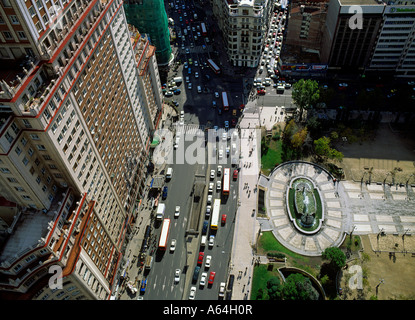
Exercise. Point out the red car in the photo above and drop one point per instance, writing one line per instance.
(223, 218)
(261, 91)
(211, 277)
(233, 122)
(235, 174)
(200, 259)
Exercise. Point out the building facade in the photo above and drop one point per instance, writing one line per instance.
(304, 31)
(394, 51)
(80, 99)
(383, 43)
(344, 47)
(244, 26)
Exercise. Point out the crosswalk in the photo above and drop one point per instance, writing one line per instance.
(191, 129)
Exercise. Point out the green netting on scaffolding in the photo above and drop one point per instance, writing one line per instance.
(150, 18)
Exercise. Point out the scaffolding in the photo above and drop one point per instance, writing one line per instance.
(150, 18)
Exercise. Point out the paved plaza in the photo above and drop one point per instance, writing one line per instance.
(350, 206)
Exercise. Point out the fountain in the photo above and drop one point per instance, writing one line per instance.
(304, 205)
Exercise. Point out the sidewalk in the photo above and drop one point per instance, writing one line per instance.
(246, 225)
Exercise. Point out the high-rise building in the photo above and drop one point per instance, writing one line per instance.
(346, 44)
(80, 98)
(394, 51)
(150, 17)
(244, 25)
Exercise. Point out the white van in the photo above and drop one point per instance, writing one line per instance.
(203, 241)
(169, 173)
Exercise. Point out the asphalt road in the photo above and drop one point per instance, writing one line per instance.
(199, 110)
(160, 280)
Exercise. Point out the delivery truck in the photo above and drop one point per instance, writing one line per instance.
(160, 211)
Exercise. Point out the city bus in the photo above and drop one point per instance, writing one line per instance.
(226, 181)
(164, 234)
(215, 215)
(213, 66)
(225, 101)
(203, 27)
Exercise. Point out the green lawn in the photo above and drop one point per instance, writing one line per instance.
(272, 157)
(260, 279)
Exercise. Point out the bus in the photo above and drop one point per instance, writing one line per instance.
(225, 101)
(203, 27)
(226, 181)
(215, 215)
(213, 66)
(164, 234)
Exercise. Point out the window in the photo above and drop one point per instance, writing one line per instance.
(18, 150)
(40, 147)
(7, 35)
(32, 11)
(14, 19)
(25, 161)
(22, 35)
(4, 170)
(9, 137)
(34, 136)
(27, 123)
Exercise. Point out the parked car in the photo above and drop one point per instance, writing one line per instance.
(168, 94)
(200, 258)
(143, 286)
(222, 289)
(165, 190)
(212, 174)
(211, 277)
(203, 279)
(208, 261)
(177, 211)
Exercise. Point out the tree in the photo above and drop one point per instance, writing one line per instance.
(298, 138)
(299, 287)
(336, 256)
(322, 149)
(274, 288)
(305, 94)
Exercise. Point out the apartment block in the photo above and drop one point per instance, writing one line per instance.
(80, 98)
(244, 25)
(304, 31)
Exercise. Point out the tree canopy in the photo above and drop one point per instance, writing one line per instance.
(299, 287)
(305, 93)
(336, 257)
(322, 148)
